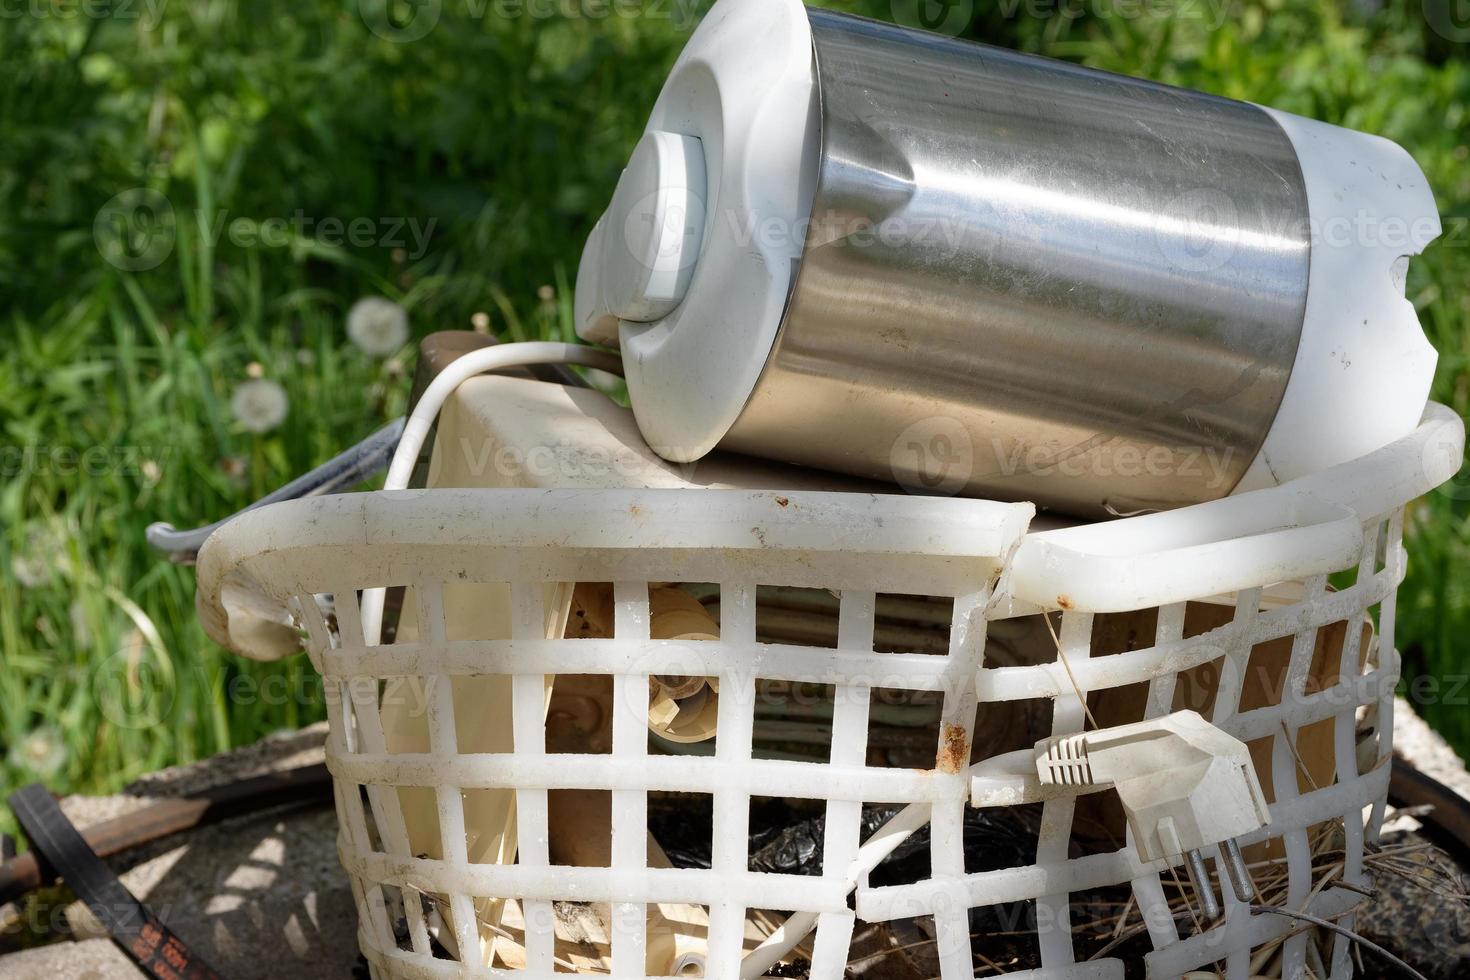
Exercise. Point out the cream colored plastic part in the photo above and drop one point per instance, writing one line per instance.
(682, 708)
(1185, 786)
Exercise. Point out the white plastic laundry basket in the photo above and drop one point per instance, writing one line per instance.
(438, 902)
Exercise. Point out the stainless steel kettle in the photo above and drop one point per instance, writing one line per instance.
(968, 270)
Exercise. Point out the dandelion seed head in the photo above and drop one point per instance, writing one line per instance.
(377, 326)
(41, 752)
(29, 572)
(260, 405)
(32, 563)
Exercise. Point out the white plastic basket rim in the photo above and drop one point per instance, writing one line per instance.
(1307, 527)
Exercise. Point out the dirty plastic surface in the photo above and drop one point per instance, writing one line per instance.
(1260, 560)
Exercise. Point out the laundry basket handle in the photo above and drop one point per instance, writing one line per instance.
(1208, 549)
(341, 472)
(1310, 526)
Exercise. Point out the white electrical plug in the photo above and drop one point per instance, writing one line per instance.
(1185, 785)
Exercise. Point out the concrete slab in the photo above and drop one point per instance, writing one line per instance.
(259, 898)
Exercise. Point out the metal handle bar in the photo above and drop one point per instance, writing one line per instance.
(341, 471)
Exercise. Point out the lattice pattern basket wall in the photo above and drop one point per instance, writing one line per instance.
(1206, 593)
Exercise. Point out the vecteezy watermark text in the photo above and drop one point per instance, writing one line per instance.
(148, 12)
(402, 21)
(938, 455)
(53, 460)
(954, 17)
(1211, 13)
(137, 230)
(409, 234)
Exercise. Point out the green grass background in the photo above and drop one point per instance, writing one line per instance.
(508, 131)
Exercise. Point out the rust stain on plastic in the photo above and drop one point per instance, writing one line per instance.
(954, 750)
(1064, 602)
(782, 501)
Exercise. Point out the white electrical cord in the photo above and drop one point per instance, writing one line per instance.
(787, 936)
(421, 421)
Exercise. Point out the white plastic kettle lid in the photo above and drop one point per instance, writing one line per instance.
(689, 268)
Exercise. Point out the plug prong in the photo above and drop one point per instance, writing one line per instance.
(1199, 877)
(1240, 875)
